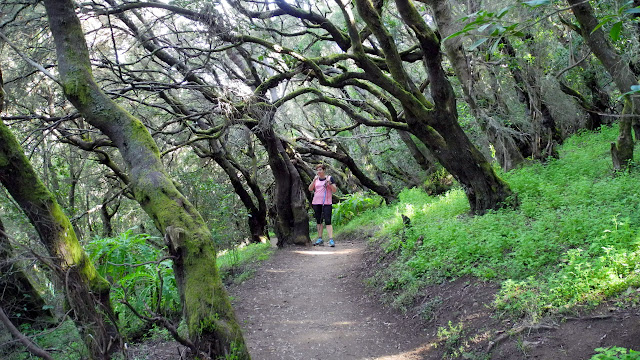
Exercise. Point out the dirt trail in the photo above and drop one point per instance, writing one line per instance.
(310, 303)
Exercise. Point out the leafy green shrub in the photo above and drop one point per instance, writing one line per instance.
(452, 338)
(133, 264)
(439, 182)
(353, 205)
(616, 353)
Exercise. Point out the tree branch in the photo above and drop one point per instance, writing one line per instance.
(32, 347)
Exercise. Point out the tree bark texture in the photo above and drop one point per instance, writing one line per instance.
(87, 292)
(291, 218)
(20, 299)
(595, 120)
(209, 316)
(257, 219)
(425, 161)
(436, 125)
(619, 70)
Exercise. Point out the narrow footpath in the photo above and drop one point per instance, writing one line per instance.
(310, 303)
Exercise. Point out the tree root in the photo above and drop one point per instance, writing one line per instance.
(517, 331)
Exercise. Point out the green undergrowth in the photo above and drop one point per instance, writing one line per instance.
(62, 341)
(616, 353)
(240, 263)
(141, 274)
(573, 241)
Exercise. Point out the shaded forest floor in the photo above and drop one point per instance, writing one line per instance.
(311, 303)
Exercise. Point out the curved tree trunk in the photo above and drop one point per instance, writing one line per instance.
(106, 215)
(87, 292)
(595, 120)
(257, 214)
(622, 152)
(257, 219)
(426, 162)
(209, 316)
(436, 125)
(545, 134)
(292, 219)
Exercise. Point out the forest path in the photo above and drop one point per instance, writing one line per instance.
(311, 303)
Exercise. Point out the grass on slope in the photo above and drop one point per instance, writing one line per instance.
(572, 242)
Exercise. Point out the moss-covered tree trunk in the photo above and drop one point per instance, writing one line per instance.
(86, 291)
(209, 316)
(624, 78)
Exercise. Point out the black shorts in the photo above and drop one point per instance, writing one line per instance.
(322, 211)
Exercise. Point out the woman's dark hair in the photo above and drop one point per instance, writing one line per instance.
(321, 166)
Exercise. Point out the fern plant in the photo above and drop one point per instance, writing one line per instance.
(353, 205)
(135, 266)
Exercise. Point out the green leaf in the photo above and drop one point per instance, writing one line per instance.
(614, 33)
(484, 27)
(499, 30)
(635, 10)
(503, 12)
(535, 3)
(478, 43)
(472, 15)
(605, 20)
(455, 34)
(494, 47)
(635, 89)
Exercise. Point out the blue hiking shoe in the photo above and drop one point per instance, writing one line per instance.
(331, 243)
(318, 242)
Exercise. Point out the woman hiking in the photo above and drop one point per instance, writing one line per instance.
(323, 187)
